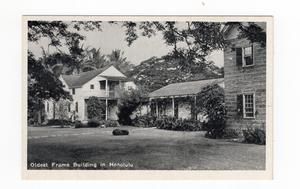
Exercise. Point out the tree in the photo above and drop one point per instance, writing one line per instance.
(94, 59)
(43, 82)
(95, 108)
(192, 41)
(155, 73)
(210, 102)
(129, 101)
(119, 61)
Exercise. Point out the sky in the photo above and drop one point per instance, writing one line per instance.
(113, 36)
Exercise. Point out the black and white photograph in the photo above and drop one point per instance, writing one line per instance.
(147, 94)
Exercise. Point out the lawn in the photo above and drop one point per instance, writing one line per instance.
(142, 149)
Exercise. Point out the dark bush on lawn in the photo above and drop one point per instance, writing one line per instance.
(109, 123)
(144, 121)
(214, 128)
(58, 122)
(93, 123)
(120, 132)
(255, 136)
(171, 123)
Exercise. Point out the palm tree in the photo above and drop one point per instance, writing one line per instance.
(119, 61)
(93, 59)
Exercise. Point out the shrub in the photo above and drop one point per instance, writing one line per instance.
(210, 102)
(214, 129)
(93, 123)
(230, 133)
(144, 121)
(171, 123)
(109, 123)
(59, 122)
(95, 108)
(78, 124)
(120, 132)
(129, 101)
(255, 136)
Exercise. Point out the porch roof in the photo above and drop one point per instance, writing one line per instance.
(185, 88)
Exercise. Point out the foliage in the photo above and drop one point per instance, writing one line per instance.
(129, 101)
(191, 41)
(230, 133)
(59, 122)
(210, 102)
(109, 123)
(93, 123)
(155, 73)
(95, 108)
(251, 31)
(171, 123)
(120, 132)
(144, 121)
(43, 82)
(78, 124)
(168, 123)
(254, 135)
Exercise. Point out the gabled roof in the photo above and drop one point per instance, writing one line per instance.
(184, 88)
(76, 81)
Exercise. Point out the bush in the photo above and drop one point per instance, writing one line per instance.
(78, 124)
(171, 123)
(59, 122)
(95, 108)
(109, 123)
(144, 121)
(120, 132)
(231, 133)
(255, 136)
(210, 101)
(93, 123)
(214, 129)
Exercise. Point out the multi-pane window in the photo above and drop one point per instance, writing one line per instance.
(249, 105)
(92, 86)
(248, 56)
(73, 91)
(244, 56)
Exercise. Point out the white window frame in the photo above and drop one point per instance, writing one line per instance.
(243, 56)
(244, 106)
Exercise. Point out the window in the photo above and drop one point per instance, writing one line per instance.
(69, 107)
(244, 56)
(92, 86)
(248, 56)
(102, 85)
(76, 106)
(246, 105)
(73, 91)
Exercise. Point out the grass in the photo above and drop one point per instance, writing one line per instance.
(143, 148)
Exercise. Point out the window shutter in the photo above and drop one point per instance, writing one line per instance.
(239, 56)
(239, 103)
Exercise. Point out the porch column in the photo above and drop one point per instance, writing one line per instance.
(106, 109)
(156, 109)
(106, 87)
(195, 102)
(173, 106)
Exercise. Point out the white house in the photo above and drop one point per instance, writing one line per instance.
(101, 83)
